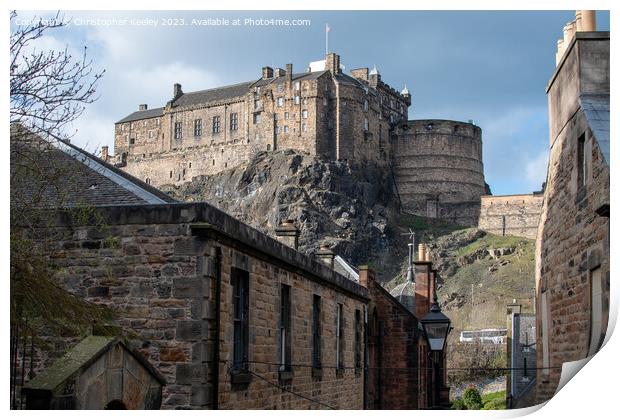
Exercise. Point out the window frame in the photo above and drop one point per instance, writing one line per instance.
(198, 127)
(285, 336)
(215, 127)
(240, 281)
(316, 333)
(234, 121)
(178, 130)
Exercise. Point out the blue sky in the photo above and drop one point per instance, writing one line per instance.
(490, 67)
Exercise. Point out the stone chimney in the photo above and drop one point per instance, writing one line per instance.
(585, 21)
(423, 288)
(279, 72)
(332, 63)
(288, 234)
(143, 107)
(326, 256)
(289, 72)
(367, 276)
(267, 72)
(104, 153)
(177, 90)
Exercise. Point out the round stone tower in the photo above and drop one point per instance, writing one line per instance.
(438, 169)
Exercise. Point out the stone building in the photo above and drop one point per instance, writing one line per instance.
(437, 164)
(572, 249)
(322, 111)
(229, 317)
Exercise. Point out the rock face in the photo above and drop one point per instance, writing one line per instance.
(346, 207)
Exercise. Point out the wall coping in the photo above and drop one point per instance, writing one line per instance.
(206, 218)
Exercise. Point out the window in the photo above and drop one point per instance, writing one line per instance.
(304, 127)
(151, 134)
(358, 340)
(257, 89)
(216, 125)
(366, 105)
(197, 128)
(545, 331)
(304, 113)
(280, 102)
(286, 115)
(277, 129)
(324, 101)
(234, 121)
(256, 118)
(296, 85)
(144, 123)
(280, 87)
(240, 285)
(340, 337)
(178, 130)
(285, 327)
(297, 100)
(258, 104)
(380, 132)
(365, 124)
(132, 140)
(597, 334)
(286, 128)
(170, 174)
(316, 332)
(582, 169)
(156, 122)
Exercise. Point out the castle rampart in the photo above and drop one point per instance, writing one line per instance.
(511, 214)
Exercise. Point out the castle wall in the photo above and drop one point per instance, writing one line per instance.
(438, 168)
(516, 215)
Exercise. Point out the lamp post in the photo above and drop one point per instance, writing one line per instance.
(436, 327)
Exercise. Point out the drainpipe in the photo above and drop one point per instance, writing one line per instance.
(216, 349)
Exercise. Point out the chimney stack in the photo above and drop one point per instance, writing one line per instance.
(332, 63)
(267, 72)
(367, 276)
(104, 153)
(586, 20)
(288, 234)
(279, 72)
(289, 72)
(326, 255)
(177, 90)
(143, 107)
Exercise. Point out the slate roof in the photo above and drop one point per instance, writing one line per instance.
(596, 109)
(80, 357)
(140, 115)
(59, 174)
(344, 268)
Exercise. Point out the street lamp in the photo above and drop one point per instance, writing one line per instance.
(436, 327)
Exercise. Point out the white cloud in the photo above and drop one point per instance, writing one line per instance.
(536, 169)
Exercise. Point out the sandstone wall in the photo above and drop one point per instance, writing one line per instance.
(438, 163)
(572, 241)
(516, 215)
(159, 275)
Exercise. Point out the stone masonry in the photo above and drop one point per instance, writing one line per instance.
(511, 214)
(572, 249)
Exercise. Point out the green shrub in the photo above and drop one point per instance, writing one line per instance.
(458, 404)
(472, 398)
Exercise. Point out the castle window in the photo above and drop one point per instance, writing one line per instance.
(151, 134)
(213, 162)
(345, 118)
(256, 118)
(304, 113)
(286, 115)
(198, 128)
(241, 312)
(297, 100)
(280, 102)
(316, 332)
(380, 132)
(144, 123)
(286, 128)
(365, 124)
(257, 89)
(258, 104)
(280, 87)
(234, 121)
(582, 168)
(178, 130)
(277, 130)
(304, 127)
(324, 101)
(285, 327)
(156, 122)
(366, 105)
(216, 125)
(268, 147)
(297, 85)
(171, 174)
(190, 165)
(132, 140)
(305, 101)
